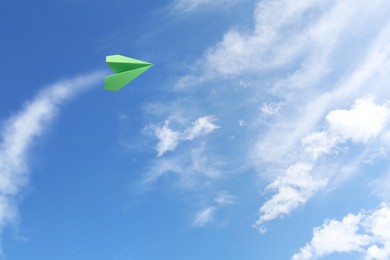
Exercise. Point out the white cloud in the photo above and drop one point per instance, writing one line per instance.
(319, 143)
(302, 112)
(335, 236)
(293, 188)
(202, 126)
(367, 233)
(274, 42)
(169, 139)
(204, 217)
(21, 130)
(361, 123)
(281, 143)
(381, 187)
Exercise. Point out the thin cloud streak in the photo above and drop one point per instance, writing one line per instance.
(204, 217)
(21, 130)
(193, 5)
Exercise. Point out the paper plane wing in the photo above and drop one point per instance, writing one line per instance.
(126, 70)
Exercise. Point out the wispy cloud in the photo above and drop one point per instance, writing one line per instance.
(19, 132)
(367, 233)
(293, 188)
(269, 109)
(192, 5)
(204, 217)
(274, 45)
(269, 45)
(224, 198)
(169, 139)
(207, 215)
(381, 185)
(192, 166)
(202, 126)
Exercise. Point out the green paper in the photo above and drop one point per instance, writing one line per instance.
(126, 70)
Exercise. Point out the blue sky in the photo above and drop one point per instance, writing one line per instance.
(261, 131)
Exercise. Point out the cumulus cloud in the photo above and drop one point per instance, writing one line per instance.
(21, 130)
(367, 233)
(361, 123)
(293, 188)
(169, 139)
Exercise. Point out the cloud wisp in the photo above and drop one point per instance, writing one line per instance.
(204, 217)
(19, 133)
(169, 139)
(193, 5)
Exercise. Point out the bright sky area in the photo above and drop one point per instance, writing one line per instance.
(261, 132)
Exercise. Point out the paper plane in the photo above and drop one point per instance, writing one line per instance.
(126, 70)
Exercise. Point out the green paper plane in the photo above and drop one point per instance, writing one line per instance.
(126, 70)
